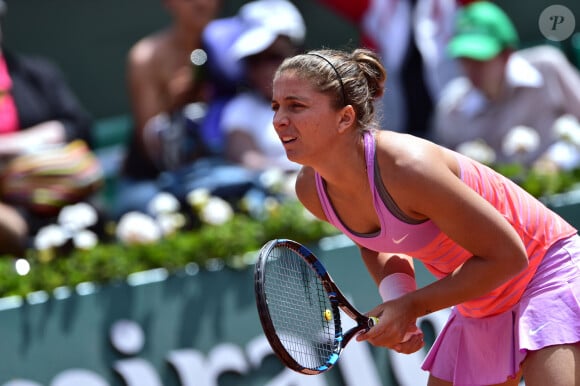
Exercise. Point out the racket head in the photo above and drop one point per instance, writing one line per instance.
(299, 318)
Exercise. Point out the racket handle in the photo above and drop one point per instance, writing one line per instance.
(373, 321)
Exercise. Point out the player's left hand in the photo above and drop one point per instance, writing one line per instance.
(412, 342)
(394, 330)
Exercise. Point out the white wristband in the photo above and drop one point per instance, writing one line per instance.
(394, 286)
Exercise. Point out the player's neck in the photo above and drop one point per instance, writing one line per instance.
(349, 172)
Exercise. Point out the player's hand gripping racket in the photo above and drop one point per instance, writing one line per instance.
(299, 303)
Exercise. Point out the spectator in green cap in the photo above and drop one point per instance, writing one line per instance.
(506, 93)
(482, 32)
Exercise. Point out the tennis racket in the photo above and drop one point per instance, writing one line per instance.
(298, 304)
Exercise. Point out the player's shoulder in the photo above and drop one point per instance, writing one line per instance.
(305, 181)
(307, 192)
(407, 158)
(405, 150)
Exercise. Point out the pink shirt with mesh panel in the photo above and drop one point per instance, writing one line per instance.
(538, 227)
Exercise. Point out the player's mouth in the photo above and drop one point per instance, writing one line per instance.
(287, 139)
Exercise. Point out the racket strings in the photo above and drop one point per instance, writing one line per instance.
(300, 309)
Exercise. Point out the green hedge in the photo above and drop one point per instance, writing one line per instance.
(233, 244)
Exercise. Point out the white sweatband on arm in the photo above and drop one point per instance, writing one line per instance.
(394, 286)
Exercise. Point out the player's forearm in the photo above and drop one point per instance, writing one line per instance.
(475, 278)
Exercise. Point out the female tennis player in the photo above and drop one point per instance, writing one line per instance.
(507, 265)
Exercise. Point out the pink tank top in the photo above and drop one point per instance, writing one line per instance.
(538, 227)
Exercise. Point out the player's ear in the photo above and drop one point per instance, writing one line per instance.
(347, 118)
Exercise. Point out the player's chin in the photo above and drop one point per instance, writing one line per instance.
(294, 157)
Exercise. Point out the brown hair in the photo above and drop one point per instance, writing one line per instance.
(354, 78)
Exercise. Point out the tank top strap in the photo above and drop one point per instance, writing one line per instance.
(369, 145)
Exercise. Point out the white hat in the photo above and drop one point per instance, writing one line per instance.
(264, 21)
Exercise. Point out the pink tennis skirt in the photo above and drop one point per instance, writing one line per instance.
(484, 351)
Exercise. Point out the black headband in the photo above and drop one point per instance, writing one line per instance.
(336, 72)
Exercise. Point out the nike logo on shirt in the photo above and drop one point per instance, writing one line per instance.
(399, 241)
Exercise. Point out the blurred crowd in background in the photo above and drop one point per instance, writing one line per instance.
(199, 93)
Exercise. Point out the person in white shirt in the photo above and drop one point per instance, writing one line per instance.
(505, 90)
(274, 30)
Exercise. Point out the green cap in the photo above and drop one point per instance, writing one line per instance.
(482, 31)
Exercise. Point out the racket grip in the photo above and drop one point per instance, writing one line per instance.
(373, 321)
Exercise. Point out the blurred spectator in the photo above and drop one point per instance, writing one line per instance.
(508, 100)
(167, 93)
(273, 31)
(38, 110)
(410, 36)
(37, 107)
